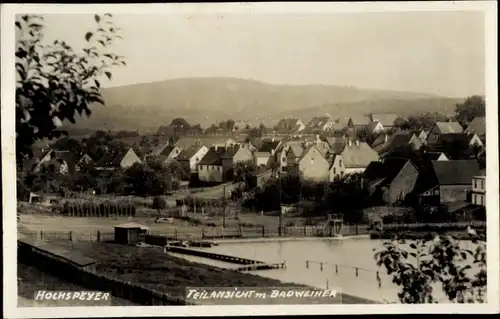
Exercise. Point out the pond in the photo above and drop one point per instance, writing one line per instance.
(340, 259)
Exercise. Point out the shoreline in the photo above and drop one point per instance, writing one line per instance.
(274, 239)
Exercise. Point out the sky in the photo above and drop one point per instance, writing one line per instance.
(432, 52)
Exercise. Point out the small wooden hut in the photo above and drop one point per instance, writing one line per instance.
(130, 233)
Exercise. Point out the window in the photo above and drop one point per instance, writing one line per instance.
(475, 183)
(334, 171)
(474, 200)
(482, 184)
(340, 162)
(481, 200)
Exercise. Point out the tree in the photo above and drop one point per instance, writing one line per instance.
(472, 107)
(180, 122)
(54, 82)
(159, 203)
(416, 266)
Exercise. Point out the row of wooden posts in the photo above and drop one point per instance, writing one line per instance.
(355, 268)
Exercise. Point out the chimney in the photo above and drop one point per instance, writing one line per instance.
(385, 138)
(349, 142)
(357, 142)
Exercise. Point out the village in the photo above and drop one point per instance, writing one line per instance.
(441, 167)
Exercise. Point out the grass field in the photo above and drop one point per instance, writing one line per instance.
(152, 268)
(31, 279)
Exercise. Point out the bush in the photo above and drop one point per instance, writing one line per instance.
(439, 260)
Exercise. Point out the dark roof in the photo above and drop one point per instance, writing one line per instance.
(386, 170)
(433, 156)
(337, 144)
(477, 125)
(455, 172)
(268, 146)
(73, 256)
(213, 156)
(189, 152)
(230, 151)
(287, 124)
(448, 142)
(167, 150)
(112, 158)
(449, 127)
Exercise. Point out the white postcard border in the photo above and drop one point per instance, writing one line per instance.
(9, 178)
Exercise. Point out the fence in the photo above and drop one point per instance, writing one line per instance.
(201, 233)
(88, 209)
(88, 277)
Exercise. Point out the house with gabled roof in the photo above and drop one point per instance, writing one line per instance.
(289, 125)
(84, 160)
(317, 124)
(454, 179)
(312, 165)
(385, 143)
(457, 146)
(358, 121)
(166, 153)
(440, 128)
(210, 167)
(63, 162)
(357, 156)
(392, 179)
(336, 125)
(386, 120)
(209, 141)
(191, 156)
(122, 159)
(422, 135)
(282, 152)
(477, 126)
(375, 127)
(231, 157)
(337, 168)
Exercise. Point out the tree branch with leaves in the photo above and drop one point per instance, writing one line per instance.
(55, 82)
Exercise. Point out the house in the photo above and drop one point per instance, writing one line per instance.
(293, 156)
(436, 156)
(478, 195)
(393, 179)
(440, 128)
(232, 156)
(208, 141)
(282, 152)
(261, 158)
(312, 165)
(64, 162)
(386, 120)
(375, 127)
(317, 124)
(385, 143)
(454, 179)
(289, 125)
(337, 168)
(456, 145)
(84, 160)
(336, 125)
(477, 126)
(191, 156)
(166, 153)
(357, 156)
(422, 135)
(210, 167)
(269, 146)
(358, 121)
(122, 159)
